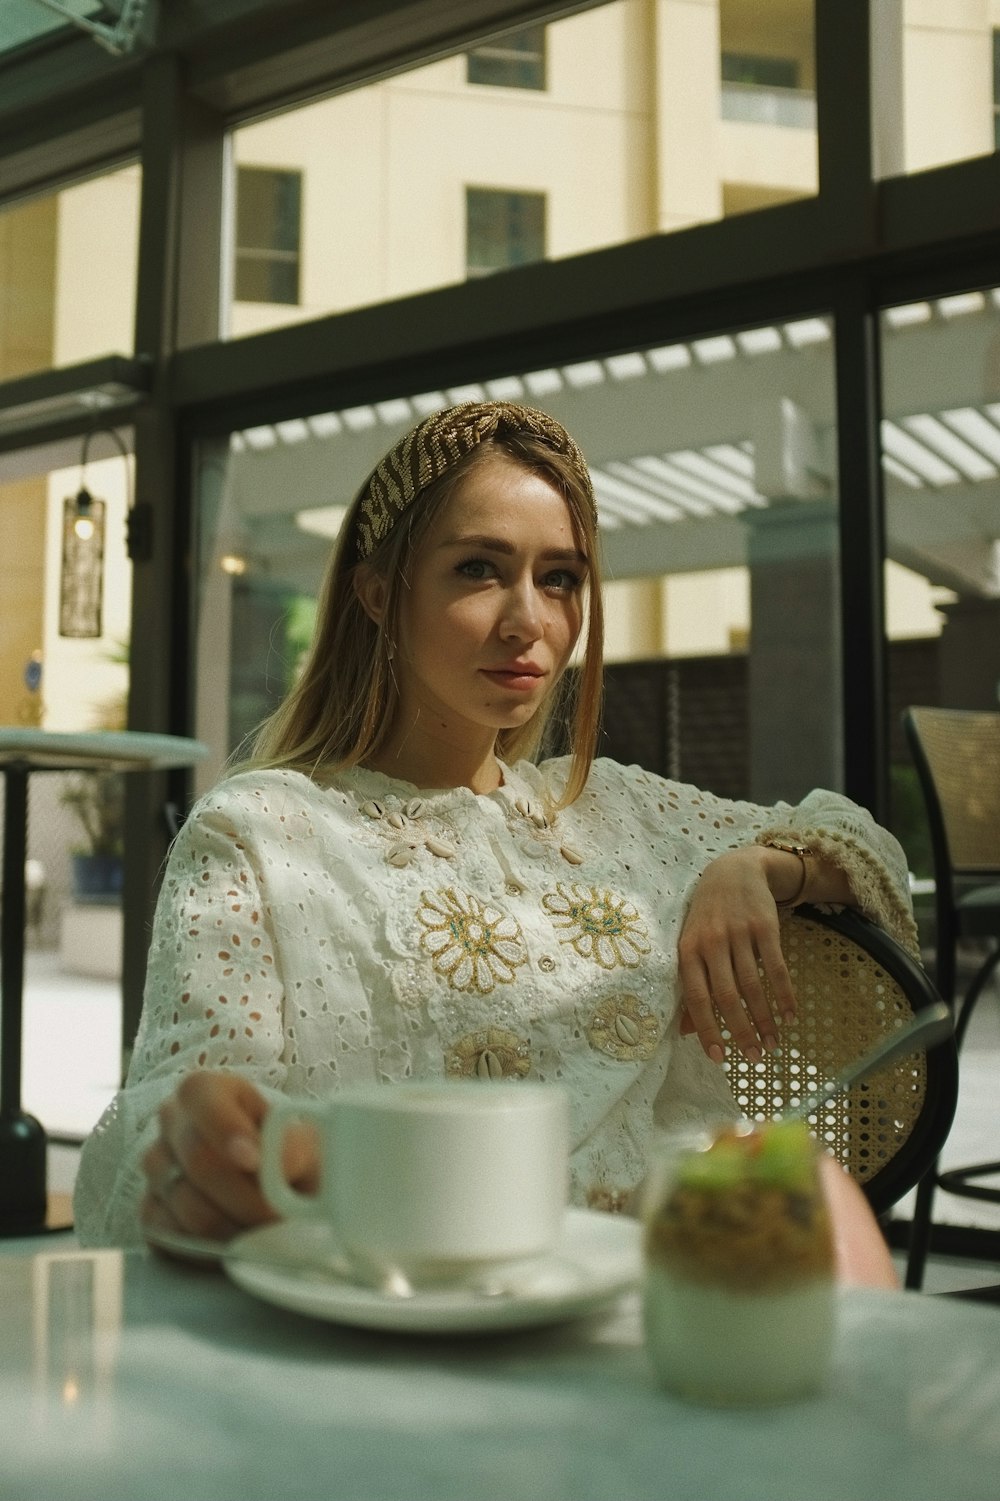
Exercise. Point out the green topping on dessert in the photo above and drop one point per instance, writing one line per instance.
(718, 1169)
(779, 1154)
(786, 1155)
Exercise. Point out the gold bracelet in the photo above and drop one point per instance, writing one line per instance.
(803, 851)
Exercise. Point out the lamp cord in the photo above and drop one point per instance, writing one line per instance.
(119, 443)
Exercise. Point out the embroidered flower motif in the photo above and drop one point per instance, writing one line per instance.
(472, 942)
(624, 1027)
(602, 926)
(489, 1053)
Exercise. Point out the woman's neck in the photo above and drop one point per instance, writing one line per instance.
(429, 763)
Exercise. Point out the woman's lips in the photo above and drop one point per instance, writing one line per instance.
(518, 679)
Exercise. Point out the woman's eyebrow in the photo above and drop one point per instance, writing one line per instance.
(500, 545)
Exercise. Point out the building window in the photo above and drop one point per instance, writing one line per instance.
(765, 91)
(514, 61)
(268, 234)
(763, 72)
(502, 229)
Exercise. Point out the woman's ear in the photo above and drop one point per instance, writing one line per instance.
(370, 587)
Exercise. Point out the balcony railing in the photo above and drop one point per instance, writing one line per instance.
(759, 105)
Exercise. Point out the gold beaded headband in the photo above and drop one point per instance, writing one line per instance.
(436, 445)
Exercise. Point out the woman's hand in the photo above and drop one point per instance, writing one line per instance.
(730, 933)
(201, 1170)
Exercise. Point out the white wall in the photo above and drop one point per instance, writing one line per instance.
(96, 258)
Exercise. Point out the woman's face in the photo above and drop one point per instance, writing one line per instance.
(494, 603)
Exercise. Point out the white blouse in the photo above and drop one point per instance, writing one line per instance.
(311, 934)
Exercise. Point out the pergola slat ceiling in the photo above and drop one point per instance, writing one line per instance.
(921, 450)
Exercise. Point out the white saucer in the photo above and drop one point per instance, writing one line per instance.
(598, 1257)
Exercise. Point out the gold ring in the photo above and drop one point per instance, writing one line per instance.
(170, 1180)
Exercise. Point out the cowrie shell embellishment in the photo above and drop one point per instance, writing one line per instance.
(625, 1028)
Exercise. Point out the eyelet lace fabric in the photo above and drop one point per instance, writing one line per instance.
(313, 934)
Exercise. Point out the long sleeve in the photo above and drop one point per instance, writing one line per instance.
(871, 858)
(213, 999)
(698, 826)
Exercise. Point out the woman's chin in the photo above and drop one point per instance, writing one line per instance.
(517, 719)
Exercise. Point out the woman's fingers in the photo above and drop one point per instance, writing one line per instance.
(732, 970)
(180, 1205)
(730, 1004)
(725, 990)
(224, 1111)
(201, 1170)
(747, 970)
(172, 1202)
(698, 1004)
(772, 962)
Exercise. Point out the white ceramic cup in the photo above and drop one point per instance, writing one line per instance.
(436, 1180)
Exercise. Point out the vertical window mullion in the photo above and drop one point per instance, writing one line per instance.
(862, 549)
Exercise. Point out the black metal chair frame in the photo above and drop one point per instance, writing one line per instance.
(966, 906)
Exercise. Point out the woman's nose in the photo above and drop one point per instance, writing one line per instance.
(522, 617)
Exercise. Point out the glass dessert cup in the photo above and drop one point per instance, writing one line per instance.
(738, 1295)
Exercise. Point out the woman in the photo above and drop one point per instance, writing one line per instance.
(393, 888)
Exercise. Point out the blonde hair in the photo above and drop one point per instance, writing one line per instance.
(341, 710)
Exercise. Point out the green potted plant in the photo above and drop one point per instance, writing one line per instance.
(97, 798)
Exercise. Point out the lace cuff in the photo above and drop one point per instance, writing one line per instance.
(876, 892)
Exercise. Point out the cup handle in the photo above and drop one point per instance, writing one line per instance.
(275, 1186)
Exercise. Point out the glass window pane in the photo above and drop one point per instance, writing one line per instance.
(514, 61)
(76, 682)
(936, 94)
(760, 72)
(502, 229)
(941, 466)
(68, 275)
(650, 119)
(82, 677)
(268, 234)
(713, 466)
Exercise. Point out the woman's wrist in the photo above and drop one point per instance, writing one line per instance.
(789, 878)
(824, 881)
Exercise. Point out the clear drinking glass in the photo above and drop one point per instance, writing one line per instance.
(738, 1298)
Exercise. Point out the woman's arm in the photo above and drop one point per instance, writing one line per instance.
(731, 932)
(213, 1001)
(861, 1256)
(718, 854)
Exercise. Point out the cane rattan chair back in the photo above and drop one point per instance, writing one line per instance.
(957, 756)
(854, 985)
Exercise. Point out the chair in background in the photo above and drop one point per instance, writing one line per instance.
(957, 756)
(854, 985)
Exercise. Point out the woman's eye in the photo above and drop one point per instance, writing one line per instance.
(476, 568)
(563, 579)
